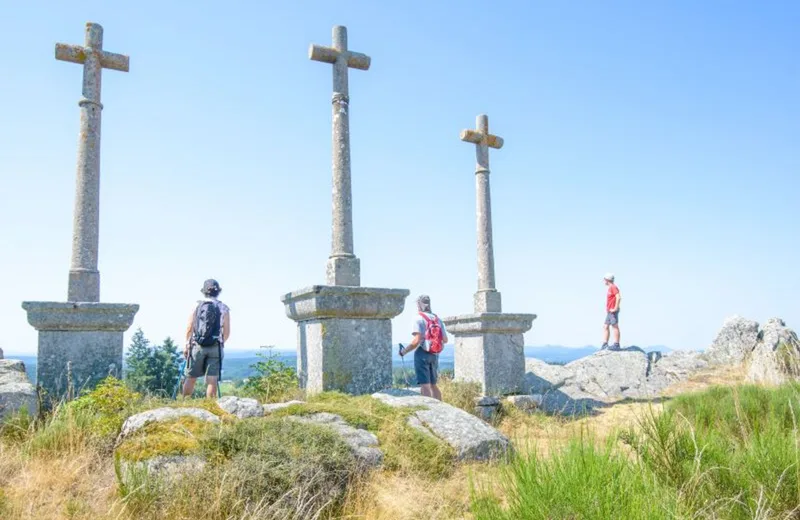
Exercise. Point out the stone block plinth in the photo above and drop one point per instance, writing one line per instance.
(88, 336)
(489, 349)
(344, 336)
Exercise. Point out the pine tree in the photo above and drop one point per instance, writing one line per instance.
(165, 367)
(138, 361)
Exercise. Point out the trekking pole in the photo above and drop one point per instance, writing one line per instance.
(182, 373)
(403, 361)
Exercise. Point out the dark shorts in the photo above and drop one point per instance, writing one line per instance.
(426, 365)
(204, 361)
(612, 318)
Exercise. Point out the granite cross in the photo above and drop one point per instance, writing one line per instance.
(343, 266)
(84, 278)
(487, 299)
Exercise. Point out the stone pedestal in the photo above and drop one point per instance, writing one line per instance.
(489, 349)
(344, 336)
(87, 335)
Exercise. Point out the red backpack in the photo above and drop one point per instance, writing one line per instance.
(433, 333)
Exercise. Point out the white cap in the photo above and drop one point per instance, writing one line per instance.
(609, 277)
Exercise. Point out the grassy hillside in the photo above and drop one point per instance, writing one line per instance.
(722, 452)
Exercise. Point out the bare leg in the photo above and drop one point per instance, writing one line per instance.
(605, 334)
(616, 333)
(188, 386)
(436, 393)
(211, 387)
(426, 390)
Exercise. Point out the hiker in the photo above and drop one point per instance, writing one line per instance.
(612, 313)
(430, 336)
(208, 331)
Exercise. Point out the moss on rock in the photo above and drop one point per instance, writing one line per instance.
(180, 436)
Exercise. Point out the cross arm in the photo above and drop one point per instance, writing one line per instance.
(355, 60)
(475, 137)
(77, 54)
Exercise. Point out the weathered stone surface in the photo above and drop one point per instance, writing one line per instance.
(672, 368)
(80, 316)
(776, 357)
(735, 341)
(364, 444)
(607, 376)
(541, 377)
(526, 403)
(135, 422)
(471, 437)
(487, 400)
(272, 407)
(489, 349)
(16, 391)
(344, 337)
(241, 407)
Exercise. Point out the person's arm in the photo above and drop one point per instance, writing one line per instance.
(444, 332)
(618, 297)
(413, 345)
(226, 327)
(189, 333)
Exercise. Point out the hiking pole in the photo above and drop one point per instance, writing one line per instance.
(403, 361)
(182, 372)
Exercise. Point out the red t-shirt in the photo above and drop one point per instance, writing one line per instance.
(611, 299)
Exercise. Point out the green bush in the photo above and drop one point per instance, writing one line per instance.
(274, 380)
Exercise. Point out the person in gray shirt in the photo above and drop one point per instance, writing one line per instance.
(426, 363)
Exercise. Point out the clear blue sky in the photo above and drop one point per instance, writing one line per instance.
(658, 140)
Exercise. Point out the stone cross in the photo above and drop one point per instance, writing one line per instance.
(84, 278)
(487, 299)
(343, 266)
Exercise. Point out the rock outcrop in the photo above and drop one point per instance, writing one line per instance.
(16, 390)
(136, 422)
(241, 407)
(775, 359)
(735, 341)
(364, 444)
(471, 437)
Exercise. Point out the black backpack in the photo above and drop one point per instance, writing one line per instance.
(207, 324)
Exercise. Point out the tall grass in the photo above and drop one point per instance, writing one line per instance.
(729, 452)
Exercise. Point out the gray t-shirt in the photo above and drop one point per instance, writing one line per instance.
(419, 328)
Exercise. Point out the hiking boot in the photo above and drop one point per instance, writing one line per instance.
(605, 346)
(615, 347)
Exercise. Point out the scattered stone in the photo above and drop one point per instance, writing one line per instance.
(241, 407)
(526, 403)
(487, 400)
(486, 407)
(363, 443)
(16, 391)
(776, 357)
(135, 422)
(472, 438)
(272, 407)
(735, 341)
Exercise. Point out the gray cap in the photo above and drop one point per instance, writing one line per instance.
(210, 286)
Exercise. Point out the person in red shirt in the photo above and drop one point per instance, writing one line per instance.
(612, 313)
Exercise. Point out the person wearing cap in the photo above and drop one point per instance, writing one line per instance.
(613, 297)
(206, 361)
(426, 364)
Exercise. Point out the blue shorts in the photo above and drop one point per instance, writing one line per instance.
(612, 318)
(426, 365)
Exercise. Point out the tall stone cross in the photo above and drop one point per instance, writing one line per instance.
(487, 299)
(343, 266)
(84, 278)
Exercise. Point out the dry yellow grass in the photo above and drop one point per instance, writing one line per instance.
(81, 485)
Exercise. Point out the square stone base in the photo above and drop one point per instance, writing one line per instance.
(350, 355)
(80, 340)
(344, 337)
(90, 356)
(489, 349)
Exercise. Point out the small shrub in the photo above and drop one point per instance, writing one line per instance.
(107, 402)
(275, 381)
(181, 436)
